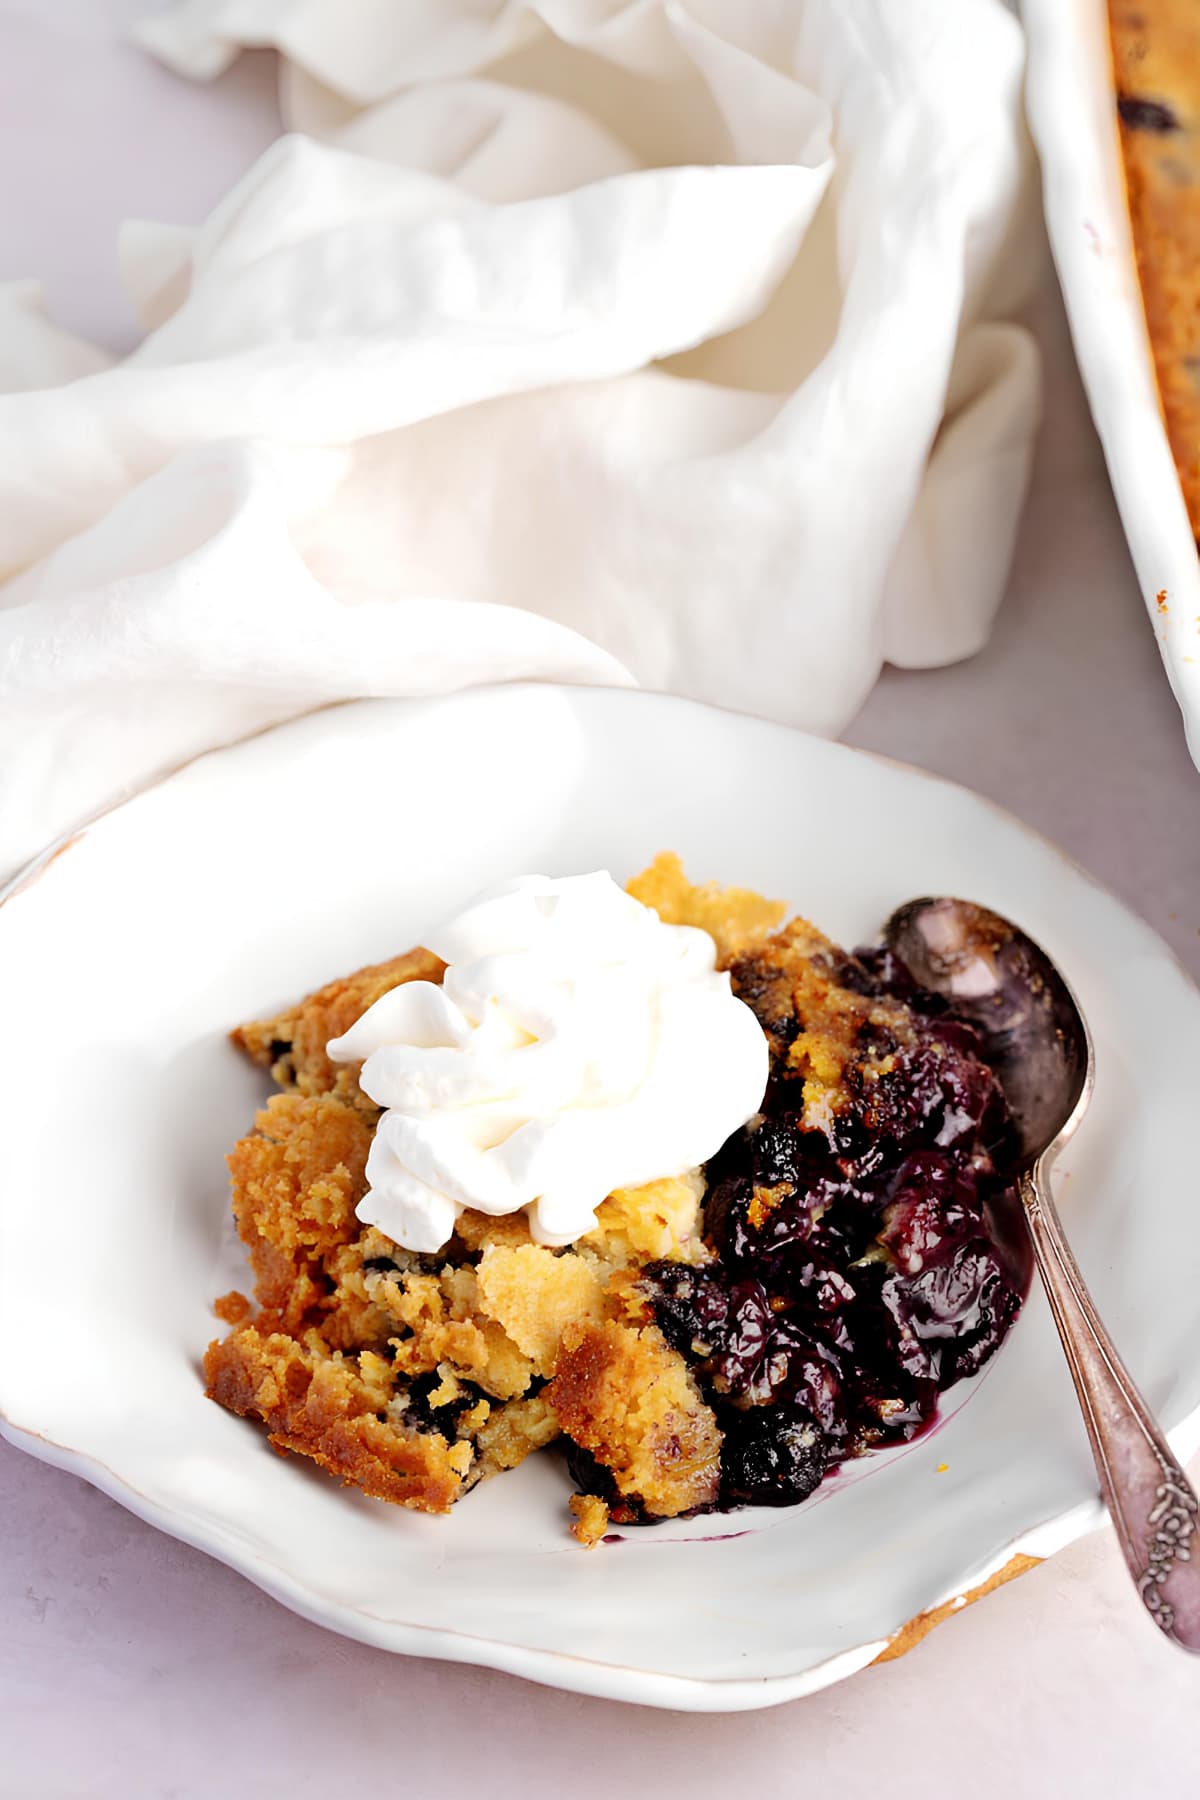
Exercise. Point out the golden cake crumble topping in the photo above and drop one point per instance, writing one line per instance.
(1156, 61)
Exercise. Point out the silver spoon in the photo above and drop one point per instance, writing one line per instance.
(1041, 1049)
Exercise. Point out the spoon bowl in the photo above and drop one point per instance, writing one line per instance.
(1036, 1039)
(1004, 984)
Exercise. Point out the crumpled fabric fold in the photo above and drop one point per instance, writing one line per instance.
(667, 343)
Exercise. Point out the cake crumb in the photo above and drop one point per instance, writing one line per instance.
(735, 918)
(532, 1294)
(233, 1308)
(591, 1519)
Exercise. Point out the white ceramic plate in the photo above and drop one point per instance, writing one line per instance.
(260, 871)
(1071, 103)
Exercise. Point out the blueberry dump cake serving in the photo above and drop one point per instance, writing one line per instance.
(648, 1175)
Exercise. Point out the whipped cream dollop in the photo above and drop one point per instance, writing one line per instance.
(576, 1045)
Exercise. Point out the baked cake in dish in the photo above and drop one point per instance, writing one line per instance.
(723, 1337)
(1156, 57)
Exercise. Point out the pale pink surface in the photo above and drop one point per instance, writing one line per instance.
(131, 1665)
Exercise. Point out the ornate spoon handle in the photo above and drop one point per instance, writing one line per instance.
(1149, 1498)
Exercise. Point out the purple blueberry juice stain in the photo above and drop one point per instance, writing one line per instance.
(704, 1537)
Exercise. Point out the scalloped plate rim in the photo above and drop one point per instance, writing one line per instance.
(555, 1668)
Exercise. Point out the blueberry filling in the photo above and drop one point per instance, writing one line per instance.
(1146, 115)
(771, 1459)
(420, 1415)
(861, 1269)
(591, 1477)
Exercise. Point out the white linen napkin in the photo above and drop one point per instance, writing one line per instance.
(660, 341)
